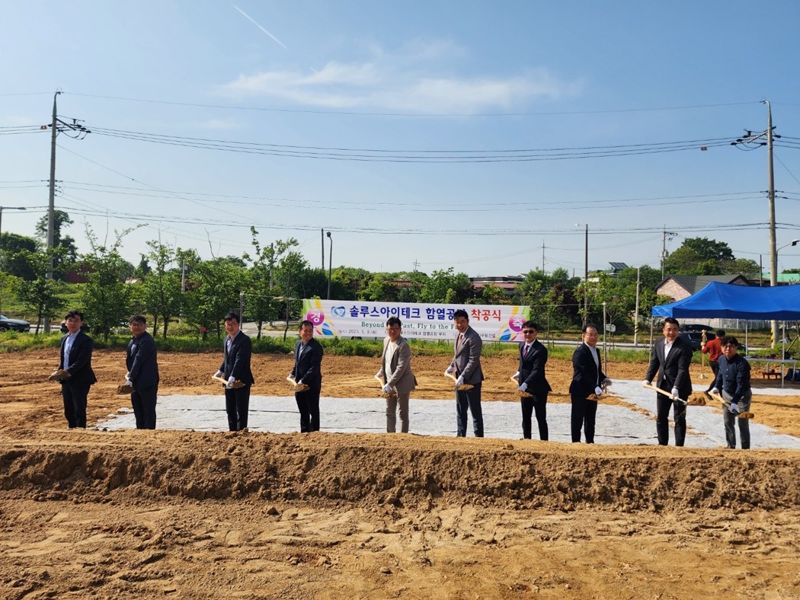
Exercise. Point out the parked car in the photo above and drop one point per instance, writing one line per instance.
(693, 334)
(7, 324)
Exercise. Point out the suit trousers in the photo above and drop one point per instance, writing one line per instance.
(144, 407)
(714, 369)
(75, 395)
(308, 405)
(392, 404)
(744, 425)
(536, 403)
(582, 416)
(469, 400)
(663, 404)
(237, 404)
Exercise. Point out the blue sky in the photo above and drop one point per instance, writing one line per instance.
(382, 79)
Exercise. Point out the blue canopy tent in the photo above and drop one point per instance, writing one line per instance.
(730, 301)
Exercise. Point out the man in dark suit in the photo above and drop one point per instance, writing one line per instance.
(466, 367)
(587, 379)
(76, 363)
(308, 370)
(236, 367)
(671, 358)
(142, 363)
(531, 379)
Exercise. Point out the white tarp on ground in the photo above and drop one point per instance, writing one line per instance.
(615, 424)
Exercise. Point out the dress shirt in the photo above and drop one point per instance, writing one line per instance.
(68, 347)
(667, 348)
(391, 348)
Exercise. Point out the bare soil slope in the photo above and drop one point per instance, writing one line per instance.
(253, 515)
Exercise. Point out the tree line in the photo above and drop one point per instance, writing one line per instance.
(270, 279)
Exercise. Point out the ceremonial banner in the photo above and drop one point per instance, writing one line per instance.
(354, 318)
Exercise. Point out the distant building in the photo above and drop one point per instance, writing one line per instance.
(616, 267)
(679, 287)
(783, 279)
(506, 283)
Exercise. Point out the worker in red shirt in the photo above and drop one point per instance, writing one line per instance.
(714, 350)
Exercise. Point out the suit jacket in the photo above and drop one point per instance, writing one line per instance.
(140, 358)
(236, 361)
(80, 359)
(586, 375)
(531, 368)
(402, 378)
(673, 372)
(308, 364)
(467, 358)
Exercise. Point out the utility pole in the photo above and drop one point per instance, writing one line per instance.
(773, 252)
(543, 257)
(636, 310)
(322, 241)
(78, 132)
(751, 140)
(51, 204)
(330, 264)
(666, 236)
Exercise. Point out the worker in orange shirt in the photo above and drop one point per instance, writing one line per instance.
(714, 350)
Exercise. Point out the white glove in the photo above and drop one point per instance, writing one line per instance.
(388, 388)
(460, 380)
(128, 375)
(515, 376)
(714, 391)
(218, 374)
(450, 370)
(733, 408)
(645, 383)
(231, 379)
(598, 391)
(128, 380)
(675, 394)
(523, 387)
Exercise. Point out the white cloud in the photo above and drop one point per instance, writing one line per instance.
(406, 80)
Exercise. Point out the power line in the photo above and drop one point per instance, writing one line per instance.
(415, 155)
(412, 231)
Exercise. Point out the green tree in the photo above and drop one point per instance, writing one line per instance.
(703, 256)
(446, 286)
(551, 298)
(290, 278)
(492, 294)
(382, 287)
(161, 288)
(261, 302)
(40, 294)
(14, 252)
(66, 244)
(348, 283)
(212, 290)
(106, 297)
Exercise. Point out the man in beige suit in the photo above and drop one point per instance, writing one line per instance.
(396, 375)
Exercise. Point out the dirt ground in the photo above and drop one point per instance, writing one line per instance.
(257, 515)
